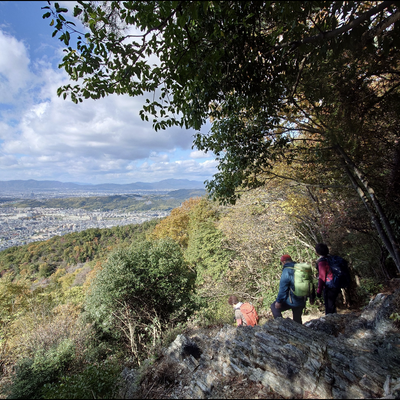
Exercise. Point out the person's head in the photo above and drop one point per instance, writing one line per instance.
(233, 300)
(322, 249)
(285, 258)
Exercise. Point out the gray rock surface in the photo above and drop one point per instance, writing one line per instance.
(336, 356)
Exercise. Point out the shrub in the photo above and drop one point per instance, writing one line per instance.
(138, 291)
(98, 381)
(368, 287)
(44, 367)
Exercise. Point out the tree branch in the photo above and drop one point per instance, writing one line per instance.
(345, 28)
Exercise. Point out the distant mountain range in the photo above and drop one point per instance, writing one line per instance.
(32, 185)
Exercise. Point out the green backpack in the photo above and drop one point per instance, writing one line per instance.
(303, 280)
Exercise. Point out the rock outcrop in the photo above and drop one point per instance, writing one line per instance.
(336, 356)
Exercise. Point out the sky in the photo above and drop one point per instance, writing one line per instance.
(44, 137)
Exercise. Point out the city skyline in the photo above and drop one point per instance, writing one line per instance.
(44, 137)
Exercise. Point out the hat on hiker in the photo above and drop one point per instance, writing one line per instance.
(286, 257)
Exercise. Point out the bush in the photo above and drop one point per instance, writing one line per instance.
(212, 312)
(138, 291)
(368, 287)
(98, 381)
(33, 373)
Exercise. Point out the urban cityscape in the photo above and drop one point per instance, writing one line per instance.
(22, 226)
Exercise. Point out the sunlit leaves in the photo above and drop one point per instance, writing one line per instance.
(176, 225)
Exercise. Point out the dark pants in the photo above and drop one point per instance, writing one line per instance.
(330, 296)
(277, 312)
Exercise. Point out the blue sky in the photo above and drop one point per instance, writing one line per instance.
(43, 137)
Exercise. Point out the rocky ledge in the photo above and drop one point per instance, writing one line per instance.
(336, 356)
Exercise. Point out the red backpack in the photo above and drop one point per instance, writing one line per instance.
(249, 313)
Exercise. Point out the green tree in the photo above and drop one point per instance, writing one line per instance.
(139, 290)
(14, 301)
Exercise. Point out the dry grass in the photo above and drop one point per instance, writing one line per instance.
(160, 380)
(239, 387)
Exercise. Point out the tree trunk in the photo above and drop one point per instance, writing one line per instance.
(373, 206)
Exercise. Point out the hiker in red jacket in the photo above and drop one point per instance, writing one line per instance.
(325, 276)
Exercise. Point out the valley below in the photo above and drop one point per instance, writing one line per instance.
(28, 216)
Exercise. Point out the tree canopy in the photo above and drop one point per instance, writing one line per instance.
(312, 82)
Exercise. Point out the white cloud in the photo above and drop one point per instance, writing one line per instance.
(183, 169)
(14, 71)
(199, 154)
(7, 161)
(109, 126)
(46, 137)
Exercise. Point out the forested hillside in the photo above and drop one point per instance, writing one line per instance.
(43, 258)
(303, 100)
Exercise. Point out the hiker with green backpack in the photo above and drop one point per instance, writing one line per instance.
(294, 288)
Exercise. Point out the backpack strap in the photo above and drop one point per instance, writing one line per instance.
(290, 289)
